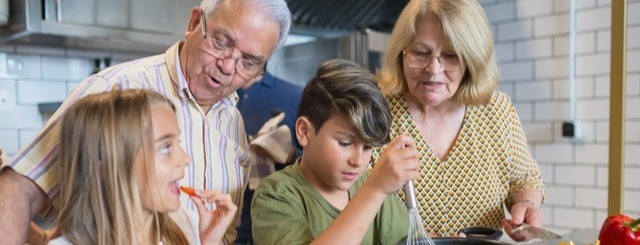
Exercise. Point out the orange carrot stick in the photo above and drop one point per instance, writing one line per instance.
(188, 190)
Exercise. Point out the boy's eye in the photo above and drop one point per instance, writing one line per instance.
(368, 147)
(344, 143)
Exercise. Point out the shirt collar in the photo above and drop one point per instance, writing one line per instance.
(268, 80)
(175, 71)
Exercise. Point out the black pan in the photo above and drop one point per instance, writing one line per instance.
(475, 236)
(464, 241)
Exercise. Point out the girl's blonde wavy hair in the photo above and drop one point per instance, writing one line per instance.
(102, 137)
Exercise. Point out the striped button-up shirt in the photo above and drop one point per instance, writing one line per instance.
(215, 140)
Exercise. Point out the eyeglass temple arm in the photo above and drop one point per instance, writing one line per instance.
(204, 24)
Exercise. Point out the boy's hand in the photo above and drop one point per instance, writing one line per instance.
(397, 164)
(213, 223)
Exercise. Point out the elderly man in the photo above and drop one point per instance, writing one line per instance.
(227, 43)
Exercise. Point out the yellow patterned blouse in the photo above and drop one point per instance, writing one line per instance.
(488, 164)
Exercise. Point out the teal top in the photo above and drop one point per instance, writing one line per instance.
(286, 209)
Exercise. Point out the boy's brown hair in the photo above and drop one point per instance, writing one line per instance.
(347, 90)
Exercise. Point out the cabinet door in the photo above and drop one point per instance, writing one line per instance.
(137, 15)
(152, 15)
(113, 13)
(73, 11)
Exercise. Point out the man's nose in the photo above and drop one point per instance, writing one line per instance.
(228, 64)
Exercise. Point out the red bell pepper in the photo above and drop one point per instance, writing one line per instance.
(620, 230)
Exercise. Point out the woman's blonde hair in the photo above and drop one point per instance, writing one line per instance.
(102, 137)
(466, 28)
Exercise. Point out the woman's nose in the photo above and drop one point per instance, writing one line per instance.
(433, 65)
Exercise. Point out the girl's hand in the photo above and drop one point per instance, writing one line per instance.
(213, 223)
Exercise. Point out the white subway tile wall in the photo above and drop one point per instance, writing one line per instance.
(532, 45)
(33, 74)
(34, 92)
(3, 63)
(554, 153)
(591, 198)
(633, 8)
(533, 90)
(560, 195)
(8, 140)
(632, 134)
(603, 87)
(551, 68)
(537, 48)
(524, 110)
(515, 30)
(530, 8)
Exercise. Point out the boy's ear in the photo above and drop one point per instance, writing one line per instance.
(303, 128)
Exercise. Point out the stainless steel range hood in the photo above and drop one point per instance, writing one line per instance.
(133, 25)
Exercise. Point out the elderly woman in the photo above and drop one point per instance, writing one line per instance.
(440, 75)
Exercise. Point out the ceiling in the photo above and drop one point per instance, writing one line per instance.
(345, 15)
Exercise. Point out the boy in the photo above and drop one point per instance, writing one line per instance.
(341, 118)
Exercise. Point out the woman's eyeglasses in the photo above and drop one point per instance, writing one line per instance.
(420, 59)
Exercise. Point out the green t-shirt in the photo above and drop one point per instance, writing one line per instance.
(286, 209)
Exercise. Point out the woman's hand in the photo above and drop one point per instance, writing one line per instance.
(524, 211)
(397, 164)
(213, 223)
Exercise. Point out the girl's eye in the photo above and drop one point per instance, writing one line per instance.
(368, 147)
(344, 143)
(165, 149)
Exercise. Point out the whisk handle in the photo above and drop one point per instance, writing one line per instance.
(410, 195)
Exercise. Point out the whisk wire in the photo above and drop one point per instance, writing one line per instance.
(417, 234)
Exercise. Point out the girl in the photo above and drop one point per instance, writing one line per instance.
(120, 165)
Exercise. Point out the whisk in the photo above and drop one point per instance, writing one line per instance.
(417, 234)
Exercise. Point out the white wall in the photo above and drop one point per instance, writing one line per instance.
(532, 40)
(30, 75)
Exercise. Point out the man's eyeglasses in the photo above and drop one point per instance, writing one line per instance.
(420, 59)
(248, 66)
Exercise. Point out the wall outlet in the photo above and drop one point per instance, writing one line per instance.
(571, 130)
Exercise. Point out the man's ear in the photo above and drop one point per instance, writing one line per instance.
(194, 20)
(303, 129)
